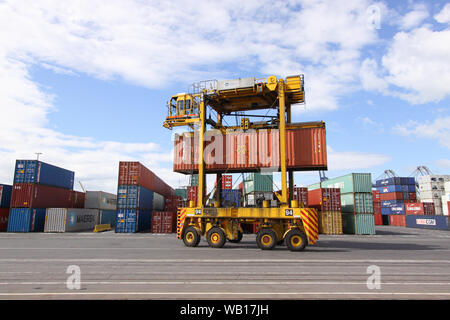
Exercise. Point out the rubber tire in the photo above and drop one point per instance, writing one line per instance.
(293, 247)
(222, 239)
(280, 243)
(196, 240)
(261, 233)
(239, 238)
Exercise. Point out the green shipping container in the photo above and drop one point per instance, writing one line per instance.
(181, 193)
(194, 180)
(258, 182)
(357, 202)
(358, 223)
(353, 182)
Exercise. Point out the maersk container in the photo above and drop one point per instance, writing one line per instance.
(427, 222)
(5, 195)
(70, 220)
(350, 183)
(258, 182)
(158, 202)
(131, 220)
(26, 220)
(34, 171)
(100, 200)
(107, 217)
(134, 197)
(357, 202)
(358, 224)
(231, 198)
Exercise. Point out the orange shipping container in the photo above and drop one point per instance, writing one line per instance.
(251, 150)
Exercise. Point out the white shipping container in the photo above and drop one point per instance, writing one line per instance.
(100, 200)
(235, 83)
(431, 186)
(445, 199)
(436, 194)
(447, 187)
(433, 178)
(70, 220)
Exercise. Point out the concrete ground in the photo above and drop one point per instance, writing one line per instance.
(409, 264)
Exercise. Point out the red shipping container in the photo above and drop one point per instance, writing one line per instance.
(397, 220)
(414, 208)
(300, 194)
(428, 208)
(192, 192)
(325, 199)
(78, 199)
(391, 196)
(412, 196)
(4, 215)
(227, 181)
(378, 219)
(163, 222)
(376, 196)
(251, 150)
(134, 173)
(28, 195)
(377, 207)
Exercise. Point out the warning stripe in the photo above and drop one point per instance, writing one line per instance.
(310, 223)
(181, 216)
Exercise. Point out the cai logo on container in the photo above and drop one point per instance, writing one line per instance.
(426, 222)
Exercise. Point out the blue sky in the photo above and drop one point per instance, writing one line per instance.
(86, 83)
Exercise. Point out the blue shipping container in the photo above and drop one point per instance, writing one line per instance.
(394, 209)
(388, 182)
(388, 203)
(231, 198)
(131, 220)
(134, 197)
(392, 188)
(26, 220)
(33, 171)
(427, 222)
(108, 217)
(5, 195)
(411, 188)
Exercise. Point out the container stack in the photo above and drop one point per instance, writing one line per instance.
(139, 193)
(327, 201)
(257, 188)
(37, 186)
(165, 221)
(398, 198)
(432, 190)
(5, 202)
(376, 195)
(356, 201)
(99, 208)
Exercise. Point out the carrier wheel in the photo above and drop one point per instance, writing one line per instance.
(216, 237)
(296, 240)
(238, 239)
(280, 242)
(266, 239)
(191, 237)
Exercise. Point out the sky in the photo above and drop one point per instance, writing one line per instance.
(85, 83)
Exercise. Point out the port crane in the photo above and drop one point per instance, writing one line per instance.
(290, 223)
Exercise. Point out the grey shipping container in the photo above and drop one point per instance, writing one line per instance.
(158, 202)
(70, 220)
(100, 200)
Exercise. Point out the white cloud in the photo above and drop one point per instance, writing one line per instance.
(414, 18)
(370, 76)
(444, 15)
(438, 130)
(348, 160)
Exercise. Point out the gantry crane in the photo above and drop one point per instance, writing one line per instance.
(289, 222)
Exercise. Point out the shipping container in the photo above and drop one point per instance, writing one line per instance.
(258, 182)
(26, 220)
(325, 199)
(231, 198)
(34, 171)
(5, 195)
(397, 220)
(353, 182)
(240, 151)
(181, 192)
(427, 222)
(388, 181)
(70, 219)
(357, 202)
(255, 199)
(227, 181)
(412, 196)
(431, 194)
(158, 202)
(393, 209)
(132, 220)
(78, 199)
(378, 219)
(192, 192)
(377, 207)
(134, 173)
(27, 195)
(376, 195)
(134, 197)
(392, 196)
(164, 222)
(428, 208)
(4, 215)
(361, 224)
(107, 217)
(330, 222)
(388, 203)
(414, 208)
(100, 200)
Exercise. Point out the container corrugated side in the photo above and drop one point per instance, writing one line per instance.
(100, 200)
(357, 202)
(397, 220)
(330, 222)
(107, 217)
(26, 220)
(27, 195)
(353, 182)
(231, 198)
(70, 219)
(427, 222)
(258, 182)
(5, 195)
(361, 224)
(158, 202)
(134, 197)
(131, 220)
(33, 171)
